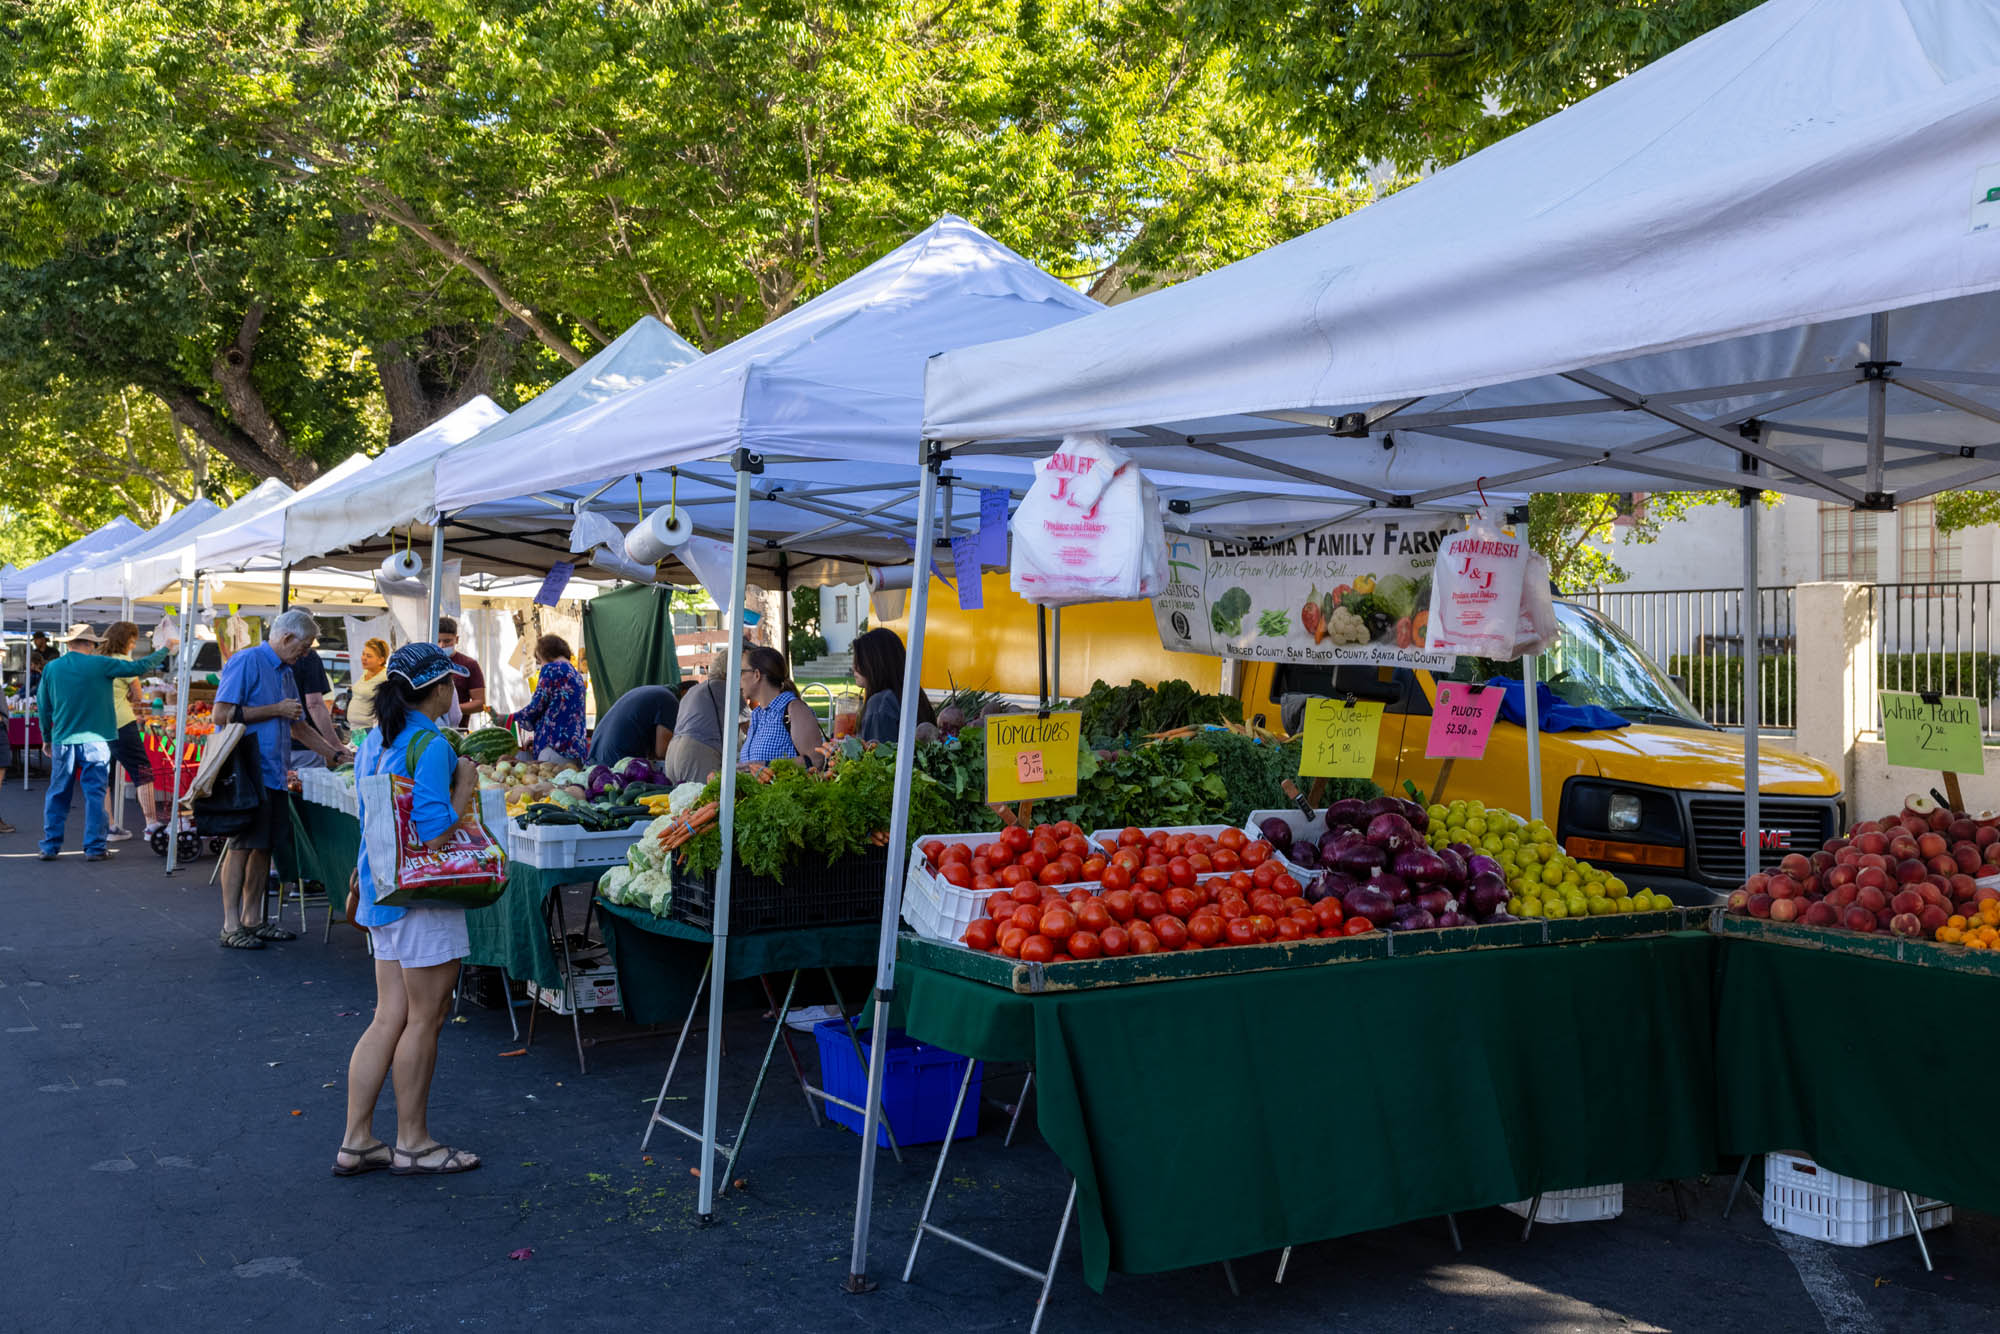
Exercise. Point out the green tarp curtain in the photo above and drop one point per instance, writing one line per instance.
(628, 640)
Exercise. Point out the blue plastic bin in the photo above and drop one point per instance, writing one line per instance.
(919, 1084)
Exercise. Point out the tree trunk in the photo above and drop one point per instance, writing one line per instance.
(231, 369)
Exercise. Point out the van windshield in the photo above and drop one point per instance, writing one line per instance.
(1595, 663)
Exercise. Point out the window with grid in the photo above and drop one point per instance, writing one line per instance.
(1847, 544)
(1926, 554)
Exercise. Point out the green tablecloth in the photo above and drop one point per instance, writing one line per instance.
(326, 847)
(660, 962)
(1874, 1067)
(1218, 1117)
(513, 934)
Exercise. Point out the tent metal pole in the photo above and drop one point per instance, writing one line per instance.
(1041, 650)
(1055, 657)
(437, 576)
(1531, 697)
(285, 590)
(27, 681)
(784, 644)
(183, 676)
(1752, 822)
(747, 466)
(899, 847)
(1878, 400)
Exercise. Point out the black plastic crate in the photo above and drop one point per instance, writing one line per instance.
(841, 893)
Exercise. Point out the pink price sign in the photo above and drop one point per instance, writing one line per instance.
(1462, 722)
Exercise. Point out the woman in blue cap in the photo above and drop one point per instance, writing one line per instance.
(417, 950)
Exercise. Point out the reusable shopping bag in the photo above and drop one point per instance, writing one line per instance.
(469, 870)
(1089, 529)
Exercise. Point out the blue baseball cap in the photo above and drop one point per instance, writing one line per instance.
(423, 665)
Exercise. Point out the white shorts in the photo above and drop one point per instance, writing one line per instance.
(423, 937)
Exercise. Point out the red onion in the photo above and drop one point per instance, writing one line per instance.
(1420, 865)
(1370, 902)
(1435, 901)
(1348, 812)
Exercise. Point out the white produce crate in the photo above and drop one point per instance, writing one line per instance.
(590, 989)
(560, 847)
(935, 908)
(1301, 827)
(1591, 1204)
(1108, 838)
(1807, 1200)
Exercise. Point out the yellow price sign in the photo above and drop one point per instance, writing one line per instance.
(1030, 756)
(1340, 738)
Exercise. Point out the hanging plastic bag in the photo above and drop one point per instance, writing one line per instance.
(1476, 591)
(1089, 529)
(1536, 631)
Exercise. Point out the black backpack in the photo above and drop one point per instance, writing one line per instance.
(233, 804)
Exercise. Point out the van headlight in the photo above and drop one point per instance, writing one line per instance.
(1623, 812)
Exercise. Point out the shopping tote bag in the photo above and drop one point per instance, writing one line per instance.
(469, 870)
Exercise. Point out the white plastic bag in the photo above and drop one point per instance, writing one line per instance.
(1089, 529)
(1536, 630)
(1476, 591)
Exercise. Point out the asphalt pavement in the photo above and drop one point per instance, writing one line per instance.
(172, 1109)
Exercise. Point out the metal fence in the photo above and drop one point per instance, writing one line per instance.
(1696, 635)
(1936, 637)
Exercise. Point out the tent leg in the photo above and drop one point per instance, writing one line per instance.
(747, 465)
(1041, 649)
(27, 689)
(1878, 400)
(1055, 657)
(1531, 696)
(1753, 836)
(183, 679)
(899, 847)
(285, 590)
(437, 575)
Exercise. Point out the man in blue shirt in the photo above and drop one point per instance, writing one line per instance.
(257, 690)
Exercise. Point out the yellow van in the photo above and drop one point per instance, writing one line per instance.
(1663, 797)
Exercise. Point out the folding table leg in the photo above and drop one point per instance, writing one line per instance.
(1534, 1207)
(861, 1059)
(764, 1068)
(1284, 1259)
(694, 1007)
(937, 1173)
(791, 1052)
(575, 1012)
(1451, 1221)
(1917, 1229)
(1742, 1171)
(1055, 1256)
(1019, 1103)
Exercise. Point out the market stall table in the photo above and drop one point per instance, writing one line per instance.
(326, 847)
(663, 965)
(1839, 1080)
(1307, 1103)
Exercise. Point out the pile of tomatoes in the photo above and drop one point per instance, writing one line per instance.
(1154, 892)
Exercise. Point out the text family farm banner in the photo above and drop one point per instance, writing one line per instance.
(1355, 592)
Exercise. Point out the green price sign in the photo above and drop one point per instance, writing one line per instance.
(1936, 732)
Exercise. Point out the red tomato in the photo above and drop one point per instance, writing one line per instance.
(1296, 902)
(1182, 902)
(1240, 932)
(1032, 863)
(1174, 845)
(1072, 866)
(1120, 905)
(1064, 829)
(1233, 908)
(1267, 903)
(1092, 915)
(980, 866)
(1129, 858)
(1116, 940)
(1077, 896)
(958, 852)
(1078, 845)
(1157, 857)
(1173, 933)
(1151, 904)
(1180, 871)
(1290, 930)
(1015, 839)
(1057, 923)
(1255, 852)
(1232, 839)
(1205, 928)
(957, 873)
(1357, 926)
(1026, 916)
(1094, 868)
(934, 851)
(1328, 913)
(1131, 836)
(1200, 862)
(1000, 904)
(1085, 945)
(1241, 882)
(1284, 884)
(1145, 942)
(1262, 924)
(1116, 876)
(1012, 875)
(1038, 949)
(1053, 874)
(1010, 941)
(1025, 891)
(984, 882)
(1152, 877)
(1048, 847)
(1306, 918)
(980, 935)
(1264, 874)
(1225, 860)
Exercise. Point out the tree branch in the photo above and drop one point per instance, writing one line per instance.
(231, 369)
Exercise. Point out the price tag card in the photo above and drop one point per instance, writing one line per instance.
(1340, 738)
(993, 526)
(552, 587)
(965, 564)
(1462, 722)
(1940, 734)
(1030, 758)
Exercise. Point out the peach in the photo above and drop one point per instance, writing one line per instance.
(1834, 845)
(1904, 849)
(1909, 901)
(1873, 877)
(1942, 864)
(1838, 876)
(1915, 824)
(1933, 917)
(1941, 819)
(1847, 857)
(1932, 894)
(1875, 842)
(1784, 887)
(1784, 910)
(1842, 897)
(1968, 857)
(1906, 924)
(1883, 918)
(1760, 905)
(1739, 901)
(1820, 914)
(1758, 883)
(1796, 865)
(1962, 830)
(1987, 836)
(1962, 886)
(1865, 827)
(1930, 845)
(1821, 861)
(1910, 870)
(1858, 918)
(1871, 899)
(1992, 856)
(1985, 892)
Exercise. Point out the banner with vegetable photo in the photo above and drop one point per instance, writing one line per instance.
(1354, 592)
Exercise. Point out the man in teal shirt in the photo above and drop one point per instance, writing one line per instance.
(73, 701)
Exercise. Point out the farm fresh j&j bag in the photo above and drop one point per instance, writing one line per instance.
(1476, 590)
(468, 871)
(1089, 529)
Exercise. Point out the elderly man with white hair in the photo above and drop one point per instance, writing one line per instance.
(257, 689)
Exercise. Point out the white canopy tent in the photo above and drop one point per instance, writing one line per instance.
(55, 588)
(1711, 274)
(143, 569)
(252, 541)
(111, 536)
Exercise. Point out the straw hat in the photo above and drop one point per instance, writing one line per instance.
(83, 630)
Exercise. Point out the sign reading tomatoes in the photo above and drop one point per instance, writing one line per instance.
(1032, 757)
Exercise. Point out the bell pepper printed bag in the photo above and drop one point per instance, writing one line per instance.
(469, 870)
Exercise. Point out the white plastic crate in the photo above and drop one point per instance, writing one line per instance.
(1807, 1200)
(590, 989)
(1108, 838)
(559, 847)
(934, 907)
(1301, 827)
(1590, 1204)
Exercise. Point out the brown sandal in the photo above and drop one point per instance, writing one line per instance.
(373, 1159)
(405, 1162)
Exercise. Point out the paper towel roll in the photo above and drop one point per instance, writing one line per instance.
(658, 536)
(882, 577)
(604, 558)
(404, 564)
